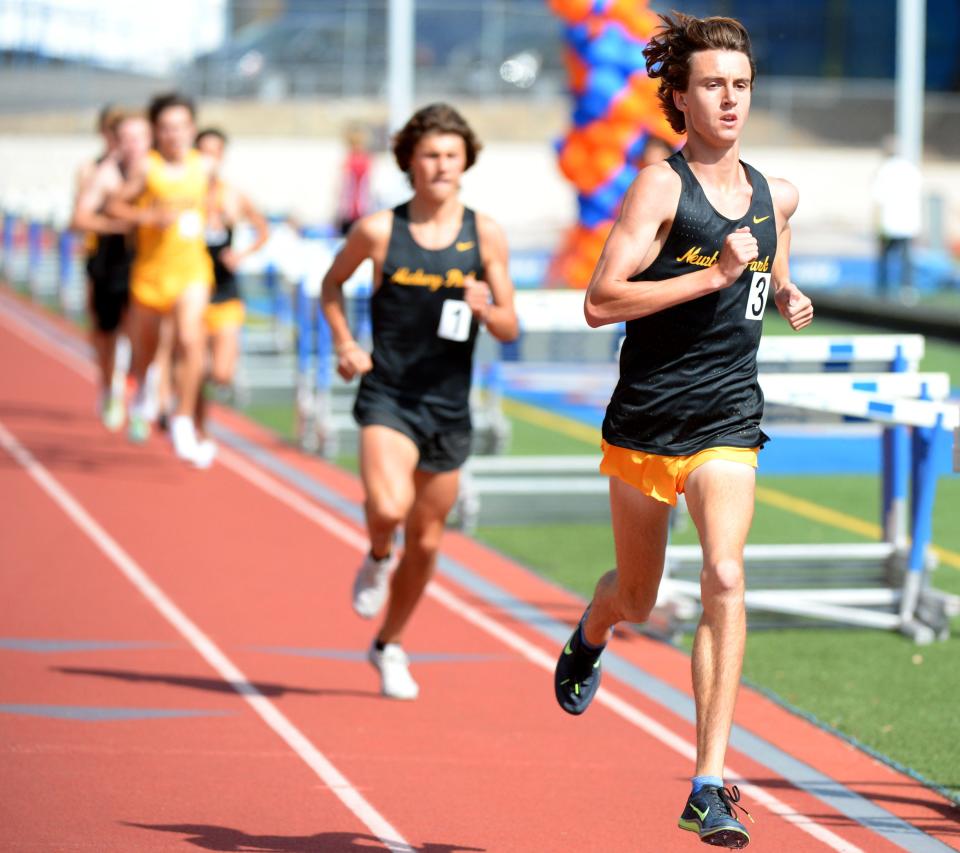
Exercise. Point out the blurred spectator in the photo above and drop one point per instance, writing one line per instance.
(354, 201)
(897, 202)
(655, 151)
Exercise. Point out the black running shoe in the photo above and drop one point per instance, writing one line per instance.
(577, 676)
(711, 813)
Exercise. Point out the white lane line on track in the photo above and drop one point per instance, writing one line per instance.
(207, 649)
(532, 653)
(204, 646)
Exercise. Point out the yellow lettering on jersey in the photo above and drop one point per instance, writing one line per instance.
(419, 278)
(416, 278)
(760, 266)
(693, 256)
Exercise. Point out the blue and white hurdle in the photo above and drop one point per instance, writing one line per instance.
(918, 425)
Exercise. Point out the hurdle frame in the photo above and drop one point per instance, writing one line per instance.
(915, 431)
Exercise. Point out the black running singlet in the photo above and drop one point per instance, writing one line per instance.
(423, 331)
(688, 374)
(110, 255)
(225, 280)
(108, 264)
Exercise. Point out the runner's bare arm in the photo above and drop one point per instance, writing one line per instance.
(634, 242)
(251, 213)
(796, 308)
(492, 300)
(120, 203)
(368, 238)
(245, 210)
(88, 208)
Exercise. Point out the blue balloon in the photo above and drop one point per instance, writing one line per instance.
(603, 85)
(578, 36)
(636, 147)
(608, 199)
(626, 176)
(633, 58)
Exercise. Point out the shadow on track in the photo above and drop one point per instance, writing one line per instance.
(223, 838)
(212, 685)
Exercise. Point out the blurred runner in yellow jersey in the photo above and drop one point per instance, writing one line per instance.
(172, 273)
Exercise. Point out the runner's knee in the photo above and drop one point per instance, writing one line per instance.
(221, 376)
(386, 509)
(722, 580)
(424, 542)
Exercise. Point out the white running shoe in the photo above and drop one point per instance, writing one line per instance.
(206, 453)
(112, 414)
(372, 584)
(394, 667)
(183, 434)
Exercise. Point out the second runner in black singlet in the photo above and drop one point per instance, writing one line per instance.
(108, 265)
(225, 286)
(688, 374)
(423, 340)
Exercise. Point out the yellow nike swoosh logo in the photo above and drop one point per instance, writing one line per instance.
(465, 247)
(758, 219)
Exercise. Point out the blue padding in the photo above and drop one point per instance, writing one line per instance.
(865, 386)
(841, 349)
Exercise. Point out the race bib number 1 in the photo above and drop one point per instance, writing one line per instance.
(757, 298)
(455, 318)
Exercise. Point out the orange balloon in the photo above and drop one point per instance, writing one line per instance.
(573, 11)
(577, 69)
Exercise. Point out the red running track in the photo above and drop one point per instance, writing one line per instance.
(182, 670)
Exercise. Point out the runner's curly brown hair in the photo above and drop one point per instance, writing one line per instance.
(435, 118)
(680, 36)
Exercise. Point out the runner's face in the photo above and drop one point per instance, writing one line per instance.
(133, 140)
(717, 101)
(174, 132)
(438, 161)
(212, 147)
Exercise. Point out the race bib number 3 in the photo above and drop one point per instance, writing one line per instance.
(455, 317)
(757, 297)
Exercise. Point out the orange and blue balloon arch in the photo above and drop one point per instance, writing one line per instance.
(615, 112)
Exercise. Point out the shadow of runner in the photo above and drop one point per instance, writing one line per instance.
(213, 685)
(223, 838)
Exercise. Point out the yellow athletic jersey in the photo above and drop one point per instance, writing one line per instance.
(175, 256)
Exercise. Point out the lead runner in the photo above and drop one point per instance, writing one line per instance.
(441, 272)
(699, 242)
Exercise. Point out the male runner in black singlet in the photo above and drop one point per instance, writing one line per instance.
(109, 249)
(699, 242)
(440, 272)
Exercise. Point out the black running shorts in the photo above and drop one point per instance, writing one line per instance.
(110, 294)
(442, 446)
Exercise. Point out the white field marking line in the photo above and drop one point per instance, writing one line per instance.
(535, 655)
(349, 535)
(227, 670)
